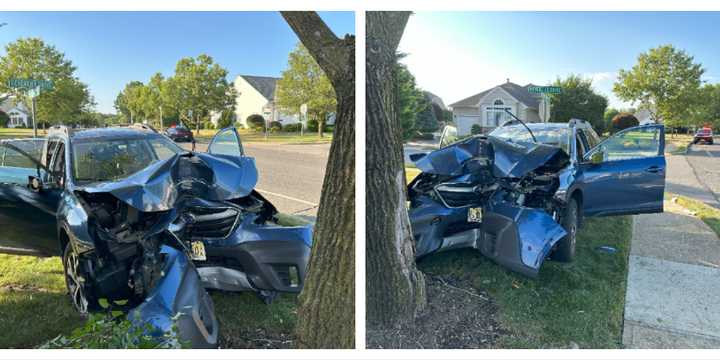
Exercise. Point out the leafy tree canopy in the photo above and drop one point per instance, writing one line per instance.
(578, 100)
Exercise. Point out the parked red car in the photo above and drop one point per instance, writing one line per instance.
(179, 133)
(705, 135)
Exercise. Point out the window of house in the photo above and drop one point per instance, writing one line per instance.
(495, 115)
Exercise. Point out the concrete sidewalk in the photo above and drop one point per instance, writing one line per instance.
(673, 287)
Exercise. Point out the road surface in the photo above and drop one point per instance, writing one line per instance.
(290, 176)
(705, 163)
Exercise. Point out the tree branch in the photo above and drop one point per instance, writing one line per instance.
(329, 51)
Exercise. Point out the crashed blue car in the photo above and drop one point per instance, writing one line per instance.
(139, 221)
(519, 194)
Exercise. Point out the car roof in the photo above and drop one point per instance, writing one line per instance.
(110, 133)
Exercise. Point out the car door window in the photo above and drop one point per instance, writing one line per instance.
(58, 165)
(15, 167)
(634, 143)
(226, 142)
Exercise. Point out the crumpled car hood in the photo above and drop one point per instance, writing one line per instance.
(159, 186)
(510, 159)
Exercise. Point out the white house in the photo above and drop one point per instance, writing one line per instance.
(256, 95)
(644, 117)
(17, 112)
(487, 108)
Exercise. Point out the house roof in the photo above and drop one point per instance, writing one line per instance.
(265, 85)
(9, 103)
(520, 93)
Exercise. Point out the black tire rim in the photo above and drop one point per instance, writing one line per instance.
(75, 283)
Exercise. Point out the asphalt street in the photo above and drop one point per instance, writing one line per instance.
(290, 176)
(705, 163)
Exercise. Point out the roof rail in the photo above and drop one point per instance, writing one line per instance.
(144, 127)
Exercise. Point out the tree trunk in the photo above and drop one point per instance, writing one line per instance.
(326, 315)
(321, 126)
(395, 289)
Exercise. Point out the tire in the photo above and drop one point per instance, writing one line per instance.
(565, 250)
(80, 297)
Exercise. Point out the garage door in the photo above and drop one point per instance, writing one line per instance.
(464, 123)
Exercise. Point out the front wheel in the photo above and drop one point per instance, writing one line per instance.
(565, 251)
(75, 279)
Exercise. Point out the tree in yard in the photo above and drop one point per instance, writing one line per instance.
(607, 118)
(664, 81)
(200, 87)
(130, 101)
(395, 289)
(32, 58)
(411, 100)
(623, 121)
(707, 106)
(427, 120)
(326, 315)
(304, 82)
(578, 100)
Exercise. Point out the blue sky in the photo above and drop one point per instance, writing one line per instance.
(111, 49)
(456, 55)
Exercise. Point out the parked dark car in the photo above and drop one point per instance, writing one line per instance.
(519, 197)
(705, 135)
(135, 217)
(179, 134)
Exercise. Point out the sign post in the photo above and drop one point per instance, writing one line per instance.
(544, 90)
(32, 88)
(303, 116)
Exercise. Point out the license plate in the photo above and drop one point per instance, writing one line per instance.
(474, 215)
(198, 251)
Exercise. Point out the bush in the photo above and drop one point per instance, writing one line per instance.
(292, 127)
(623, 121)
(227, 119)
(275, 126)
(106, 331)
(4, 118)
(256, 122)
(476, 129)
(312, 125)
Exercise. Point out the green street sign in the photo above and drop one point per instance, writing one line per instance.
(544, 89)
(30, 84)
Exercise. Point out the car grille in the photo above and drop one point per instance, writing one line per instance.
(205, 222)
(455, 196)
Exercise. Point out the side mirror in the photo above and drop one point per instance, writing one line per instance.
(417, 156)
(35, 184)
(596, 158)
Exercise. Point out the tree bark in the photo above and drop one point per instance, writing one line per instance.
(395, 289)
(326, 315)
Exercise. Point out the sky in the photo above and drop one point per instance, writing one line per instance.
(458, 54)
(111, 49)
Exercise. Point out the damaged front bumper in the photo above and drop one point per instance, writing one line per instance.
(516, 237)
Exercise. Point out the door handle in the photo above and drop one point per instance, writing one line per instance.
(654, 169)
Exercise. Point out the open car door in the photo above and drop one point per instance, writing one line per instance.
(27, 222)
(625, 174)
(226, 142)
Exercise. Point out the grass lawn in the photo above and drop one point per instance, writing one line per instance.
(706, 213)
(680, 141)
(18, 133)
(35, 306)
(580, 302)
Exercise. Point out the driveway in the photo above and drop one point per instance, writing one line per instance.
(290, 176)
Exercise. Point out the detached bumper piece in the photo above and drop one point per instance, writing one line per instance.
(516, 237)
(179, 295)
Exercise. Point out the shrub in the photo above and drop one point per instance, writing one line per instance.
(292, 127)
(4, 118)
(623, 121)
(106, 331)
(312, 125)
(475, 129)
(275, 126)
(227, 119)
(256, 122)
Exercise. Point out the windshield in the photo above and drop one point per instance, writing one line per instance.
(555, 136)
(109, 160)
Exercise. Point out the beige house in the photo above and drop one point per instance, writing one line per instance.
(17, 112)
(487, 108)
(256, 95)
